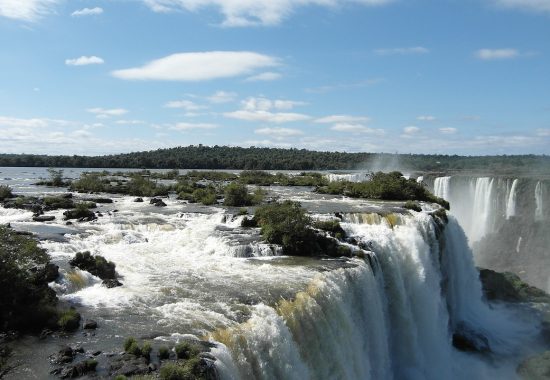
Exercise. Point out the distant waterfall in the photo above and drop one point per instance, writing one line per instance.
(482, 207)
(511, 204)
(539, 211)
(389, 317)
(441, 187)
(352, 177)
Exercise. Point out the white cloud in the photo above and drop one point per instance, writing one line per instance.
(26, 10)
(264, 77)
(426, 118)
(264, 104)
(342, 119)
(266, 116)
(494, 54)
(28, 123)
(543, 132)
(239, 13)
(184, 104)
(103, 113)
(448, 130)
(411, 130)
(528, 5)
(199, 66)
(356, 128)
(190, 126)
(222, 97)
(87, 12)
(130, 122)
(279, 132)
(84, 60)
(402, 51)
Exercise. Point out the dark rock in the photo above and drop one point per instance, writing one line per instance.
(129, 365)
(111, 283)
(536, 367)
(509, 287)
(100, 200)
(90, 324)
(64, 356)
(96, 265)
(99, 214)
(139, 199)
(78, 369)
(46, 273)
(466, 338)
(45, 333)
(96, 353)
(69, 223)
(43, 218)
(157, 202)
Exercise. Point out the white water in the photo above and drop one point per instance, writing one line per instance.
(482, 208)
(352, 177)
(389, 321)
(511, 204)
(441, 187)
(539, 201)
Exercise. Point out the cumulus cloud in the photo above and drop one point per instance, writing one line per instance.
(187, 105)
(495, 54)
(222, 97)
(26, 10)
(18, 122)
(84, 60)
(87, 12)
(199, 66)
(356, 128)
(129, 122)
(543, 132)
(426, 118)
(279, 132)
(448, 130)
(190, 126)
(240, 13)
(411, 130)
(262, 109)
(527, 5)
(103, 113)
(342, 119)
(402, 51)
(264, 77)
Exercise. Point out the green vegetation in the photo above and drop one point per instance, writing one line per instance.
(81, 210)
(137, 185)
(90, 182)
(26, 301)
(186, 350)
(189, 370)
(144, 187)
(131, 346)
(412, 205)
(236, 195)
(5, 192)
(54, 203)
(223, 157)
(263, 178)
(164, 352)
(332, 226)
(96, 265)
(69, 320)
(384, 186)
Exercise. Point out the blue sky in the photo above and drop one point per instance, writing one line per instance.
(409, 76)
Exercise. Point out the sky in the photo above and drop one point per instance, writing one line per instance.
(88, 77)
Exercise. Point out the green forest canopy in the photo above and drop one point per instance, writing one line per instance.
(224, 157)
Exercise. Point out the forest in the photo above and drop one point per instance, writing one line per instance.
(255, 158)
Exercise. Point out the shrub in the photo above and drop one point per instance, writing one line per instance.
(134, 349)
(186, 350)
(286, 224)
(69, 320)
(56, 177)
(89, 182)
(331, 226)
(206, 196)
(412, 205)
(120, 377)
(174, 371)
(128, 342)
(164, 352)
(236, 195)
(53, 203)
(146, 349)
(258, 196)
(5, 192)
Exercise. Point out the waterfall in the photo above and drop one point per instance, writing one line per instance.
(352, 177)
(391, 317)
(482, 208)
(539, 210)
(441, 187)
(511, 204)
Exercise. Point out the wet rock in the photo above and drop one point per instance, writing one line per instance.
(46, 273)
(535, 367)
(466, 338)
(129, 365)
(96, 353)
(65, 355)
(157, 202)
(79, 369)
(43, 218)
(139, 199)
(45, 333)
(509, 287)
(96, 265)
(90, 324)
(111, 283)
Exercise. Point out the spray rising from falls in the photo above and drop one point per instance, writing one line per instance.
(389, 316)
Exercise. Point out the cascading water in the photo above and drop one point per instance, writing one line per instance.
(482, 208)
(389, 317)
(352, 177)
(511, 204)
(441, 187)
(539, 201)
